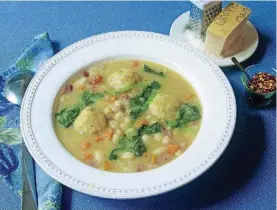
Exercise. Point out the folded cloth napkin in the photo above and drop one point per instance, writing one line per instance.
(46, 191)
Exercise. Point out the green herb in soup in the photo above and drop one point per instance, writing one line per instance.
(126, 115)
(152, 129)
(89, 97)
(67, 115)
(149, 70)
(140, 103)
(126, 89)
(131, 144)
(186, 114)
(134, 143)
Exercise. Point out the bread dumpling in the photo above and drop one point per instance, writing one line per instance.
(90, 121)
(165, 106)
(124, 78)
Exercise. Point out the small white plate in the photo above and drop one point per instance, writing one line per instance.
(212, 86)
(178, 30)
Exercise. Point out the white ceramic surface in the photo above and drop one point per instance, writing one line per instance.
(179, 28)
(215, 92)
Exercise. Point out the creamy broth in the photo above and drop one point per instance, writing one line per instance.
(105, 117)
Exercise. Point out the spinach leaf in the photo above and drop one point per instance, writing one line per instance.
(140, 103)
(186, 114)
(67, 115)
(151, 129)
(123, 90)
(149, 70)
(134, 144)
(131, 144)
(89, 97)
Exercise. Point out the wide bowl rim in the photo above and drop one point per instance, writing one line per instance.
(78, 185)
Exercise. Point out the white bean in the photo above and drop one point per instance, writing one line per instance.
(129, 169)
(130, 132)
(99, 156)
(127, 119)
(118, 132)
(115, 138)
(183, 144)
(160, 150)
(125, 102)
(117, 103)
(179, 152)
(118, 116)
(114, 124)
(127, 156)
(80, 82)
(107, 110)
(158, 136)
(145, 138)
(124, 125)
(115, 108)
(166, 140)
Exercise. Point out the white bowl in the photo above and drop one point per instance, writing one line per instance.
(213, 88)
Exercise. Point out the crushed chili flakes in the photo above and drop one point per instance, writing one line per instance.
(263, 83)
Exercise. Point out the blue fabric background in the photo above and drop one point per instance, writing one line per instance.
(244, 178)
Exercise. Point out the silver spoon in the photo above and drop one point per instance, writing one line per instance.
(16, 86)
(235, 61)
(14, 91)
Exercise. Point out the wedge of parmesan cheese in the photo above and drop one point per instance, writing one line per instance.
(227, 29)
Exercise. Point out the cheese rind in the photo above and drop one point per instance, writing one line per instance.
(226, 29)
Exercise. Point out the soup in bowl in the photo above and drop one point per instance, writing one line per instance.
(127, 115)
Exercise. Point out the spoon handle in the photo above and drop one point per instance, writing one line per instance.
(235, 61)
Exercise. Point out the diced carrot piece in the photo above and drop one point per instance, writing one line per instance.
(87, 156)
(96, 79)
(108, 133)
(107, 165)
(188, 96)
(171, 148)
(82, 87)
(141, 123)
(135, 64)
(98, 138)
(85, 145)
(112, 99)
(153, 159)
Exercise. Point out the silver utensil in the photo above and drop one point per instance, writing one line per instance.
(202, 14)
(16, 86)
(14, 91)
(235, 61)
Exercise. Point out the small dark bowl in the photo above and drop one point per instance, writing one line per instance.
(254, 98)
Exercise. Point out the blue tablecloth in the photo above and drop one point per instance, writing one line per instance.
(244, 178)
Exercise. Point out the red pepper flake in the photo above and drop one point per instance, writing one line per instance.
(68, 88)
(263, 82)
(85, 73)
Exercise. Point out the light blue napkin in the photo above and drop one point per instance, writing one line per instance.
(46, 191)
